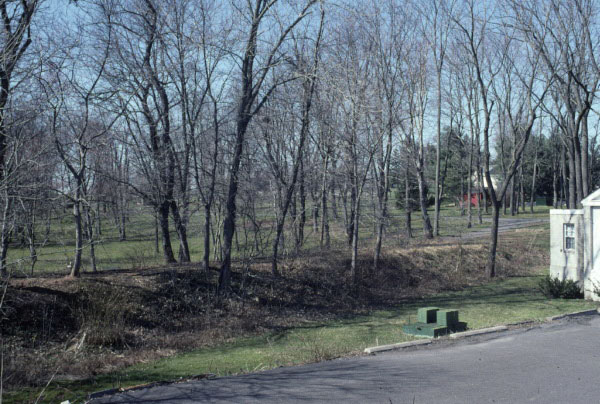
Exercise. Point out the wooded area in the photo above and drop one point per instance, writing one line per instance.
(260, 124)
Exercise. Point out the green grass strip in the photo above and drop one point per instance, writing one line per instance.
(498, 302)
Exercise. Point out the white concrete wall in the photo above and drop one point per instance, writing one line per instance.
(591, 262)
(566, 264)
(591, 267)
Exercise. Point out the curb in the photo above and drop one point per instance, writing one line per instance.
(575, 314)
(480, 331)
(521, 323)
(383, 348)
(102, 393)
(107, 392)
(391, 347)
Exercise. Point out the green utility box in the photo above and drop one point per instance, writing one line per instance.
(433, 322)
(427, 315)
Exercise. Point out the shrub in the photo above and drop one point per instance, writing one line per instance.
(102, 315)
(555, 288)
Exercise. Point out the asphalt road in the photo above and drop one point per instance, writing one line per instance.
(552, 363)
(504, 225)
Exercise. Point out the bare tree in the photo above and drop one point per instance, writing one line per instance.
(79, 120)
(413, 127)
(389, 36)
(560, 32)
(308, 69)
(142, 73)
(15, 39)
(489, 57)
(436, 30)
(252, 98)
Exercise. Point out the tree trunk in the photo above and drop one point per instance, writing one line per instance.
(427, 229)
(90, 226)
(5, 238)
(491, 265)
(533, 178)
(585, 179)
(275, 256)
(32, 251)
(382, 197)
(572, 177)
(470, 186)
(315, 213)
(230, 205)
(481, 190)
(512, 197)
(436, 219)
(407, 204)
(351, 223)
(5, 233)
(76, 268)
(302, 221)
(206, 256)
(378, 243)
(294, 220)
(353, 265)
(522, 189)
(163, 221)
(180, 227)
(563, 182)
(554, 186)
(333, 187)
(578, 171)
(98, 220)
(325, 237)
(156, 236)
(462, 188)
(122, 226)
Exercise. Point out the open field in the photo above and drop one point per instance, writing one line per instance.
(138, 251)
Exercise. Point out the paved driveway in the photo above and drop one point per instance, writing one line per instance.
(553, 363)
(504, 225)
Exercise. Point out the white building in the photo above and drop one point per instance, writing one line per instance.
(575, 244)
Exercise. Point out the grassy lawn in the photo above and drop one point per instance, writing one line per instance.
(139, 249)
(502, 301)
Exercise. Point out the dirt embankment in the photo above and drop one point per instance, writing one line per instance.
(79, 328)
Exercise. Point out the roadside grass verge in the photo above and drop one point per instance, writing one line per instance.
(507, 300)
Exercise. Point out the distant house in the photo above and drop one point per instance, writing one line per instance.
(494, 177)
(477, 196)
(575, 244)
(474, 198)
